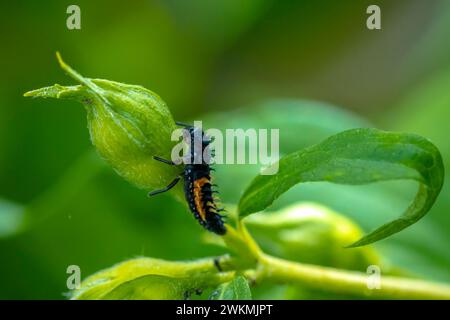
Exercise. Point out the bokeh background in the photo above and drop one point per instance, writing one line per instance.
(60, 205)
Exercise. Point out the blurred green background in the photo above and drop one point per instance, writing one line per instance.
(237, 64)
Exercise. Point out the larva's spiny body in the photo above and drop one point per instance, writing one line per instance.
(198, 188)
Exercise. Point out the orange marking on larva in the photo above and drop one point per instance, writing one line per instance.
(198, 201)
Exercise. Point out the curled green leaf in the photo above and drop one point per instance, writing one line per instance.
(128, 125)
(356, 157)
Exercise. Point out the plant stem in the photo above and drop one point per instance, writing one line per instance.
(328, 279)
(350, 282)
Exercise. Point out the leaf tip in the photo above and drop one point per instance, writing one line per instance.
(29, 93)
(66, 67)
(364, 241)
(352, 245)
(59, 58)
(74, 74)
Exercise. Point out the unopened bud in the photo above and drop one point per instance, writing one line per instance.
(128, 125)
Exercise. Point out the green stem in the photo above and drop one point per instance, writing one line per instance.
(340, 281)
(269, 268)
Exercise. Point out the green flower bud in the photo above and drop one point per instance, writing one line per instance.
(128, 125)
(311, 233)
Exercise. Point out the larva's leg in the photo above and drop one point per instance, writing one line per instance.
(165, 161)
(216, 262)
(170, 186)
(181, 124)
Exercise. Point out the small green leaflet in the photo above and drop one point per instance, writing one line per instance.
(237, 289)
(355, 157)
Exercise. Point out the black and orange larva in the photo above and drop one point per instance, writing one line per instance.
(198, 188)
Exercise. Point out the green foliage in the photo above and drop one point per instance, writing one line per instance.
(125, 123)
(311, 233)
(367, 205)
(236, 289)
(424, 110)
(302, 122)
(147, 278)
(58, 210)
(357, 157)
(151, 287)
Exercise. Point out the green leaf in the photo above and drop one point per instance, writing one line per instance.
(356, 157)
(295, 117)
(424, 110)
(368, 206)
(148, 278)
(150, 287)
(237, 289)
